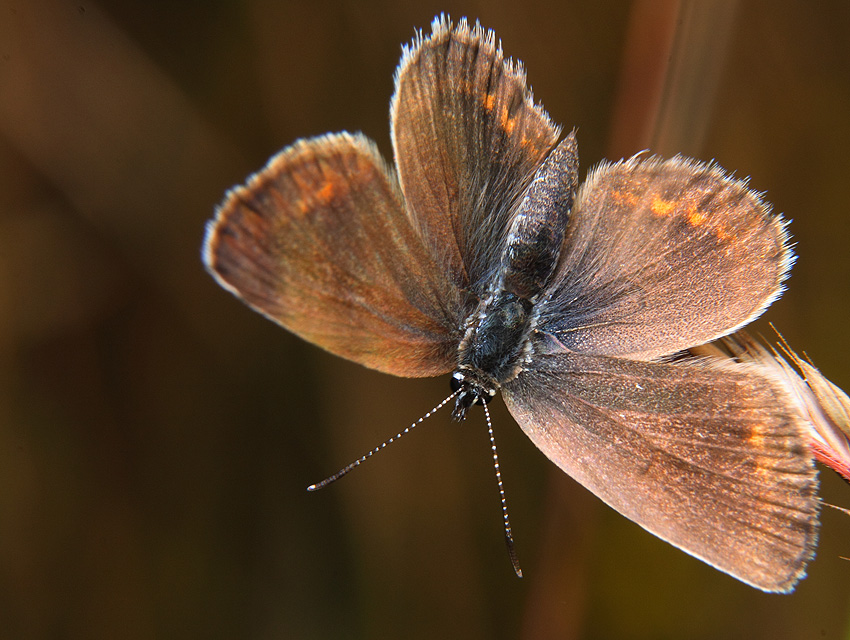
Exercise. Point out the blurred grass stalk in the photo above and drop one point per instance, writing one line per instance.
(825, 407)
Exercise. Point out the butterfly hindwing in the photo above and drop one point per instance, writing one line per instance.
(708, 456)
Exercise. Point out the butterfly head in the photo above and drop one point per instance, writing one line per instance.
(472, 389)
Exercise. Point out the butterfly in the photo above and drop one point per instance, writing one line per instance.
(479, 255)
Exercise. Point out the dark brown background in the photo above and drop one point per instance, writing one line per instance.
(156, 436)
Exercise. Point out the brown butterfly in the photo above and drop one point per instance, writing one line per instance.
(479, 255)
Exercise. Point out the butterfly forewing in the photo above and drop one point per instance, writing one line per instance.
(467, 139)
(661, 256)
(710, 458)
(319, 242)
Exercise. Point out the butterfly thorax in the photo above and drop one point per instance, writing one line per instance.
(492, 350)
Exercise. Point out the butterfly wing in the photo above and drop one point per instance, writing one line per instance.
(710, 458)
(319, 241)
(468, 139)
(661, 256)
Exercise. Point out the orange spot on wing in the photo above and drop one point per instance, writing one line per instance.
(756, 437)
(489, 101)
(312, 196)
(758, 441)
(508, 123)
(723, 233)
(696, 217)
(624, 197)
(662, 208)
(302, 188)
(326, 193)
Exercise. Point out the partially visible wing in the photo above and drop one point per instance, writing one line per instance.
(319, 242)
(661, 256)
(468, 139)
(710, 458)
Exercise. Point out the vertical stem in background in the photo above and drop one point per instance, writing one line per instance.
(647, 53)
(693, 76)
(672, 63)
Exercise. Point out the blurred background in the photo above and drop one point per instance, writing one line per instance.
(156, 436)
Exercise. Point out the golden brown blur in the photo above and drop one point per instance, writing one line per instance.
(157, 436)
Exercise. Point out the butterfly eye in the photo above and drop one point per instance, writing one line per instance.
(456, 381)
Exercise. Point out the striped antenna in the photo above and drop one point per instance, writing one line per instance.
(363, 458)
(509, 538)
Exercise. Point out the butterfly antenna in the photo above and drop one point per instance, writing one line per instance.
(509, 538)
(363, 458)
